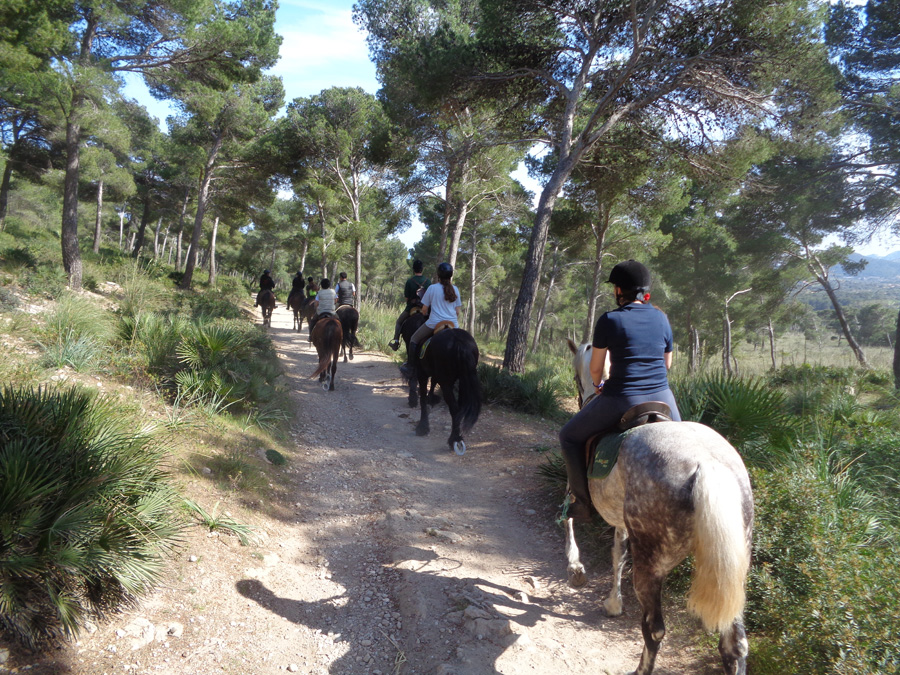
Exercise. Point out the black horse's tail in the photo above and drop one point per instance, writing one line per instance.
(466, 358)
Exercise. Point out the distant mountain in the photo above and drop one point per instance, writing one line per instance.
(879, 268)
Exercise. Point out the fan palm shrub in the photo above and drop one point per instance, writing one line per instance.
(747, 411)
(87, 512)
(76, 333)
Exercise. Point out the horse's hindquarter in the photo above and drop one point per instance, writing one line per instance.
(659, 465)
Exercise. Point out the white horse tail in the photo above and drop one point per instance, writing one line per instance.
(721, 550)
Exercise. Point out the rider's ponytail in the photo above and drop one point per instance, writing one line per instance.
(449, 291)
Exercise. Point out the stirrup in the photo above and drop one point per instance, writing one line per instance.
(394, 344)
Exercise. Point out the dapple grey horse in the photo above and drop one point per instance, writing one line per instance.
(678, 488)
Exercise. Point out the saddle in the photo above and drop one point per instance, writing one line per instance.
(442, 325)
(602, 450)
(342, 306)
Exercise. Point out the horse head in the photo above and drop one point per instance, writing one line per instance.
(581, 363)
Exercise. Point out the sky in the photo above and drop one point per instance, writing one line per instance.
(323, 48)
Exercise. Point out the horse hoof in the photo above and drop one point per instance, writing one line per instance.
(613, 606)
(326, 383)
(459, 447)
(351, 357)
(413, 403)
(577, 576)
(421, 431)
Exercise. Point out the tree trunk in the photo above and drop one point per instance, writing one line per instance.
(772, 344)
(121, 227)
(156, 238)
(4, 192)
(357, 271)
(462, 210)
(600, 231)
(303, 251)
(138, 243)
(201, 211)
(551, 282)
(897, 354)
(694, 352)
(98, 221)
(821, 275)
(184, 203)
(517, 339)
(448, 196)
(470, 319)
(321, 209)
(727, 354)
(71, 254)
(212, 253)
(162, 250)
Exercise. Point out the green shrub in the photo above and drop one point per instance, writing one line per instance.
(155, 337)
(86, 512)
(16, 258)
(746, 411)
(822, 595)
(76, 333)
(534, 393)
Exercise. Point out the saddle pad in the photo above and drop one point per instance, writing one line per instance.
(605, 453)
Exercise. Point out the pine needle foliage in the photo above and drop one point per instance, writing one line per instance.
(87, 512)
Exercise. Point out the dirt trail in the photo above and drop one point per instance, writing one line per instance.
(385, 553)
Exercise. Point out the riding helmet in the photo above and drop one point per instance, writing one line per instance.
(265, 271)
(630, 275)
(445, 271)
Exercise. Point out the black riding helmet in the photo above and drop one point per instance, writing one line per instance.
(630, 275)
(445, 271)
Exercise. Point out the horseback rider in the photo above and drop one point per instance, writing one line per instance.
(413, 292)
(346, 291)
(296, 286)
(311, 289)
(266, 283)
(441, 302)
(638, 338)
(326, 299)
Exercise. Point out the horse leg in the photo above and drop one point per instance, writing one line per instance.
(734, 649)
(413, 393)
(613, 602)
(575, 570)
(648, 584)
(334, 362)
(453, 406)
(423, 427)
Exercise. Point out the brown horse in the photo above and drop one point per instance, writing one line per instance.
(327, 336)
(267, 303)
(303, 308)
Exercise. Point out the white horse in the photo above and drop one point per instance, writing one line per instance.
(678, 488)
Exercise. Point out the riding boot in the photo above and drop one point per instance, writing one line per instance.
(580, 508)
(409, 368)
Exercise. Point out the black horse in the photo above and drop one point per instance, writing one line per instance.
(327, 337)
(407, 330)
(349, 317)
(266, 301)
(450, 357)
